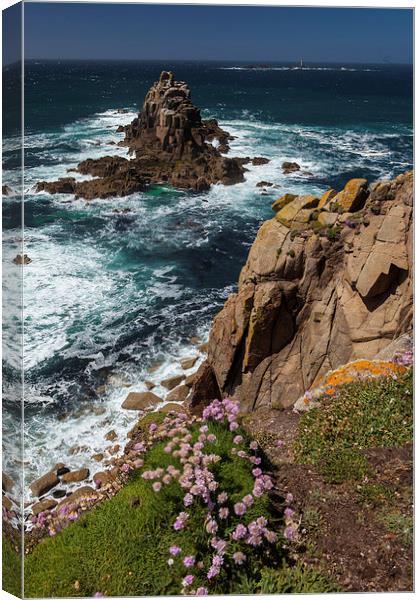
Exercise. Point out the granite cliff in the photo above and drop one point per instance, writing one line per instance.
(327, 281)
(169, 143)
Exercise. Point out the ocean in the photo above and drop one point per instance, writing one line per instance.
(113, 298)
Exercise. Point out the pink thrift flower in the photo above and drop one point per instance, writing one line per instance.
(240, 532)
(189, 561)
(240, 509)
(175, 550)
(290, 533)
(202, 591)
(153, 427)
(125, 468)
(157, 486)
(224, 513)
(222, 498)
(253, 445)
(233, 426)
(248, 500)
(188, 580)
(238, 439)
(188, 499)
(211, 438)
(239, 558)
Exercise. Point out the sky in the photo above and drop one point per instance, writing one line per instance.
(235, 33)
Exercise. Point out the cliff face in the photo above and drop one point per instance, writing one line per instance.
(170, 143)
(327, 281)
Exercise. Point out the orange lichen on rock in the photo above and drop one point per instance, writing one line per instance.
(327, 384)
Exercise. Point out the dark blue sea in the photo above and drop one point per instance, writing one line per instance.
(109, 295)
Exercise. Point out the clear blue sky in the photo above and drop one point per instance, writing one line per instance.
(146, 32)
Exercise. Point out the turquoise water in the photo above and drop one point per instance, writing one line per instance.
(108, 293)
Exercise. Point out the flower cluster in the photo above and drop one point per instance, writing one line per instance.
(229, 537)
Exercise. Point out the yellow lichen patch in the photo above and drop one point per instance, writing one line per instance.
(359, 369)
(283, 201)
(327, 384)
(326, 197)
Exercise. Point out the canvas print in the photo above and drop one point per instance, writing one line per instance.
(207, 299)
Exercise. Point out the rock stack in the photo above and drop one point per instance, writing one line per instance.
(327, 281)
(171, 144)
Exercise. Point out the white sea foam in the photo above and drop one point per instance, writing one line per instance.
(74, 283)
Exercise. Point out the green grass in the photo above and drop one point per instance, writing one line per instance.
(376, 494)
(365, 414)
(297, 580)
(344, 464)
(11, 568)
(120, 550)
(399, 524)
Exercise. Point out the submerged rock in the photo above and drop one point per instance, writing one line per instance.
(6, 190)
(290, 167)
(22, 259)
(259, 160)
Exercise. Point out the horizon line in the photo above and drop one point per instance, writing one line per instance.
(204, 60)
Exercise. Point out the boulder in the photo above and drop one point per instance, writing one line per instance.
(7, 503)
(172, 382)
(111, 435)
(83, 494)
(264, 184)
(46, 504)
(141, 401)
(44, 484)
(22, 259)
(7, 482)
(283, 201)
(75, 476)
(298, 211)
(59, 493)
(149, 384)
(290, 167)
(178, 394)
(354, 195)
(172, 407)
(188, 363)
(102, 477)
(327, 219)
(203, 347)
(204, 389)
(6, 190)
(259, 160)
(326, 197)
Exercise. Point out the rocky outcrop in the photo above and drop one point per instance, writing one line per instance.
(315, 293)
(169, 142)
